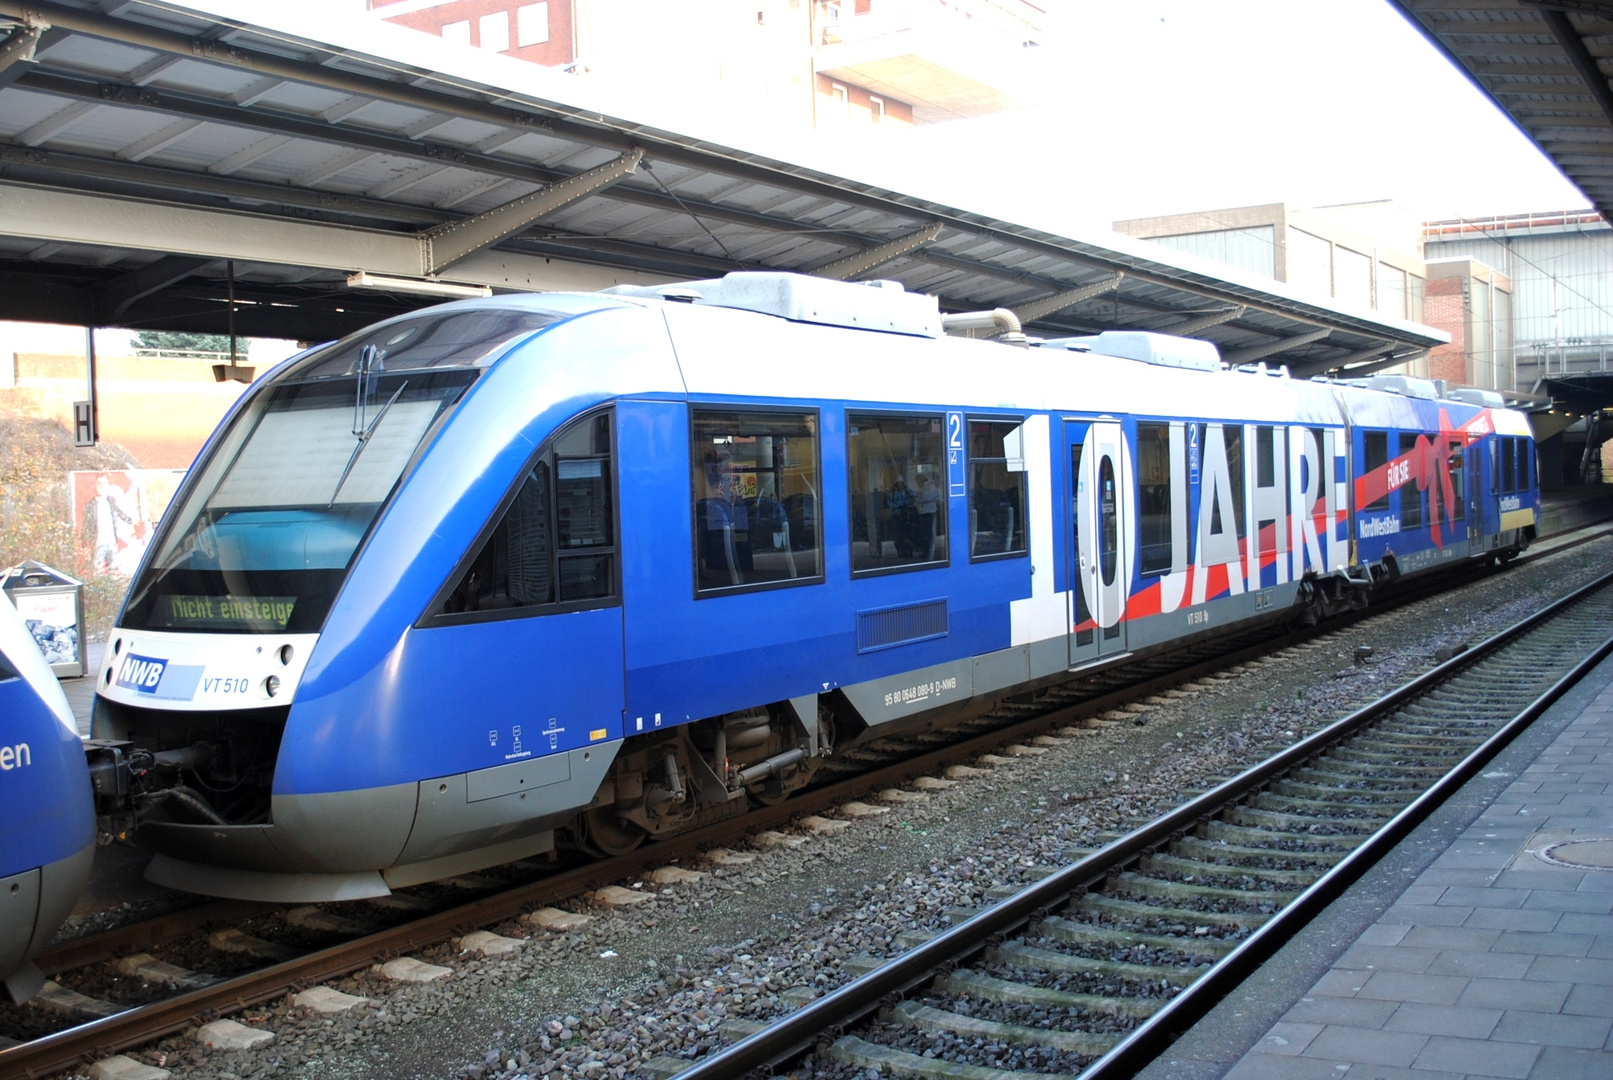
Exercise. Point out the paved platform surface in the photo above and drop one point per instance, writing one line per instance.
(1466, 953)
(81, 692)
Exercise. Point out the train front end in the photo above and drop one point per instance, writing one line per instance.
(253, 685)
(47, 825)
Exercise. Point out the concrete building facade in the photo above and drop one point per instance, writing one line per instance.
(864, 67)
(1369, 256)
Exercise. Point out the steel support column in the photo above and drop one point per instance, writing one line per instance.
(1193, 326)
(1039, 309)
(852, 265)
(1260, 352)
(447, 244)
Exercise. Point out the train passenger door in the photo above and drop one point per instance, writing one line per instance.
(1100, 571)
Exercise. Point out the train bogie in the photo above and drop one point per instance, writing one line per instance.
(613, 566)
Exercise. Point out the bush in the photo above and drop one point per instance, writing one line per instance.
(36, 517)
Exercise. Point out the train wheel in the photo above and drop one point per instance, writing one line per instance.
(604, 833)
(768, 793)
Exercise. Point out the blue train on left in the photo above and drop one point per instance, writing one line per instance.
(47, 815)
(498, 573)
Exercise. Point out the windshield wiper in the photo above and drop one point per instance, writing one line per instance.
(370, 358)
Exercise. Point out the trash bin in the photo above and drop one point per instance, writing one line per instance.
(51, 604)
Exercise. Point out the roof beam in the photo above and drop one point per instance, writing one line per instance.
(113, 298)
(1260, 352)
(18, 47)
(1204, 322)
(1029, 312)
(1321, 367)
(103, 222)
(1389, 361)
(863, 261)
(114, 176)
(1595, 82)
(1603, 8)
(450, 243)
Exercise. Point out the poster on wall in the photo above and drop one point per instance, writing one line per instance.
(115, 512)
(52, 619)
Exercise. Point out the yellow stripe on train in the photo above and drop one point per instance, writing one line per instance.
(1517, 519)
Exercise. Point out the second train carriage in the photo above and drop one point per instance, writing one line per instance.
(617, 564)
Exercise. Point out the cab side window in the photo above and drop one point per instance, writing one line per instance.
(756, 498)
(554, 547)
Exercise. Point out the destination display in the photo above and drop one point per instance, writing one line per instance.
(180, 612)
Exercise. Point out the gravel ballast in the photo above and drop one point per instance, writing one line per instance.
(751, 939)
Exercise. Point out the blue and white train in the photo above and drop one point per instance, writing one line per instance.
(610, 566)
(47, 813)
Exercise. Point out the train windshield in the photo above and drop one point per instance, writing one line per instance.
(263, 539)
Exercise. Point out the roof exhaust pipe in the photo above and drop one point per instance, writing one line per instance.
(1005, 322)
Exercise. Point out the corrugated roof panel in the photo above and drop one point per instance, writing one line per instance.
(79, 52)
(693, 208)
(23, 110)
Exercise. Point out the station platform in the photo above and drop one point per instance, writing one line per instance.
(1571, 507)
(1481, 947)
(81, 692)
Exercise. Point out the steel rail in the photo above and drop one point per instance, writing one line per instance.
(795, 1032)
(135, 1026)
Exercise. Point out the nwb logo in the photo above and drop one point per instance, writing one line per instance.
(141, 673)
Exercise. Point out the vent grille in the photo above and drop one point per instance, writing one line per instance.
(901, 625)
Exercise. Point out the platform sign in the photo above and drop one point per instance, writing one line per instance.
(84, 432)
(956, 483)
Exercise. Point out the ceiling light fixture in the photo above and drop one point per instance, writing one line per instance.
(365, 280)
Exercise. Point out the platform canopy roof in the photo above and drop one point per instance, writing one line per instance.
(156, 160)
(1544, 63)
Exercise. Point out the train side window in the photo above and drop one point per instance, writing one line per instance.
(554, 547)
(1495, 465)
(898, 498)
(1411, 500)
(1232, 439)
(996, 488)
(1509, 457)
(1374, 456)
(756, 498)
(1526, 465)
(1458, 471)
(1154, 498)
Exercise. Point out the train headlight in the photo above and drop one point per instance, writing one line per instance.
(271, 685)
(286, 653)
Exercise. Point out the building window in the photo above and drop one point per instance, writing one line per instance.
(842, 101)
(876, 108)
(1391, 291)
(996, 488)
(532, 24)
(495, 30)
(755, 498)
(457, 32)
(898, 499)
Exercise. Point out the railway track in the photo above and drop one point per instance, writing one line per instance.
(324, 943)
(1095, 968)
